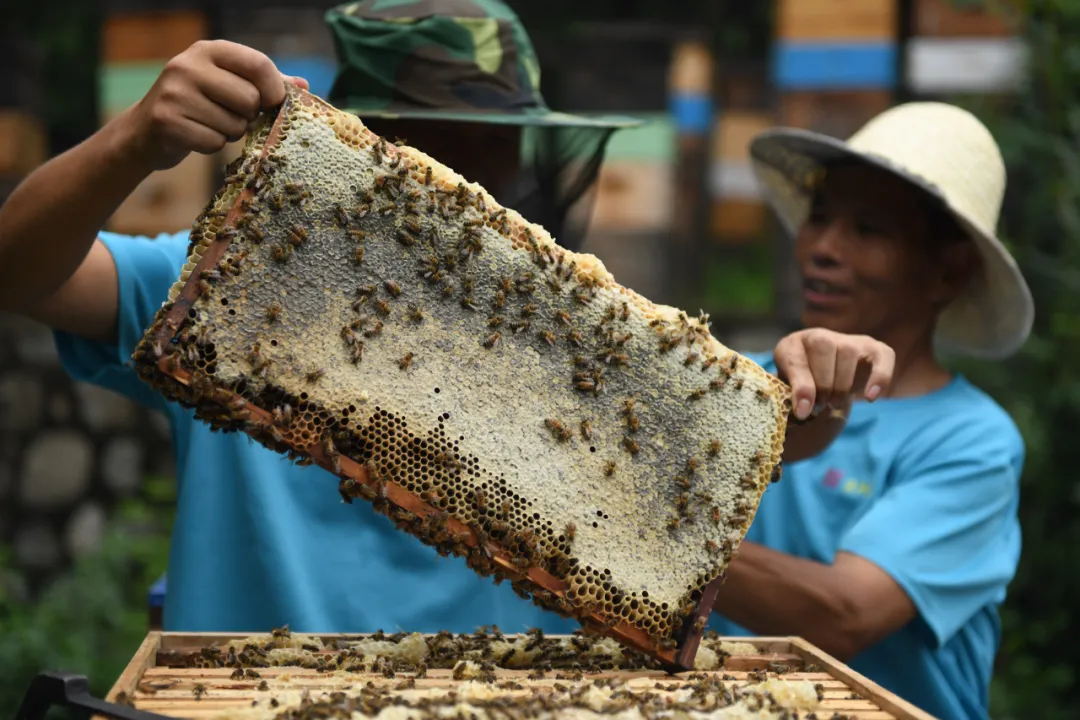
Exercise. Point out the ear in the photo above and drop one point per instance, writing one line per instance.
(954, 267)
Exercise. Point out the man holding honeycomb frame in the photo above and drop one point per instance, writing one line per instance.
(260, 542)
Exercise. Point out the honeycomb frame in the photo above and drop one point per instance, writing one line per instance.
(196, 363)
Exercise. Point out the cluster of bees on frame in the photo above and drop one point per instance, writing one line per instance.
(509, 305)
(566, 664)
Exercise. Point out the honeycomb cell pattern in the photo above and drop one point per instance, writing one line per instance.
(376, 306)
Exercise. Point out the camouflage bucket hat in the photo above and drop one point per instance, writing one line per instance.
(466, 60)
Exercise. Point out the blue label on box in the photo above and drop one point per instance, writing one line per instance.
(834, 66)
(692, 113)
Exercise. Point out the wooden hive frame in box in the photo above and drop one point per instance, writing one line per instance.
(342, 291)
(160, 679)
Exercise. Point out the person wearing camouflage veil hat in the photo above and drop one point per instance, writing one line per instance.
(259, 542)
(459, 79)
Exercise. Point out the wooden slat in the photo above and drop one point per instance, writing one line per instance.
(23, 145)
(142, 661)
(942, 18)
(633, 196)
(138, 37)
(863, 685)
(734, 221)
(836, 19)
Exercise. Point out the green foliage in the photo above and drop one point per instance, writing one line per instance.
(92, 619)
(1040, 139)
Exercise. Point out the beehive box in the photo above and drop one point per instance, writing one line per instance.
(358, 305)
(198, 676)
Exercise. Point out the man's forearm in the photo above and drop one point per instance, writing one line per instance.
(49, 222)
(771, 593)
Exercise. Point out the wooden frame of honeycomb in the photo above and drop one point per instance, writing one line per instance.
(356, 304)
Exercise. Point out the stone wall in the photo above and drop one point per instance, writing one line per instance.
(69, 453)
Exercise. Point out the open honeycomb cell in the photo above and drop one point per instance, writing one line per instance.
(355, 303)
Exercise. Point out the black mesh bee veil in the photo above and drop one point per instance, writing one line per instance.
(560, 166)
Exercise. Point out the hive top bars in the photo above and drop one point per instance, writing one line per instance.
(357, 304)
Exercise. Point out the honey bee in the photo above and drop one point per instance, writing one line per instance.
(494, 321)
(673, 522)
(586, 430)
(382, 307)
(574, 338)
(237, 674)
(691, 358)
(282, 416)
(204, 287)
(297, 235)
(405, 238)
(492, 339)
(273, 312)
(467, 303)
(714, 514)
(281, 253)
(198, 691)
(528, 311)
(447, 289)
(697, 394)
(405, 361)
(548, 337)
(427, 175)
(315, 375)
(413, 225)
(761, 395)
(633, 423)
(251, 674)
(692, 464)
(682, 481)
(374, 329)
(748, 482)
(631, 445)
(506, 284)
(699, 625)
(263, 686)
(757, 458)
(712, 547)
(585, 385)
(716, 384)
(570, 532)
(392, 287)
(777, 473)
(358, 256)
(416, 314)
(609, 468)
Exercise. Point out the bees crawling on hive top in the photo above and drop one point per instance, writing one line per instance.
(464, 351)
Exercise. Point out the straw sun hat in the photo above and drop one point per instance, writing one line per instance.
(946, 152)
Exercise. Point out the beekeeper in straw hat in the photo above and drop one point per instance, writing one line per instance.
(259, 542)
(893, 548)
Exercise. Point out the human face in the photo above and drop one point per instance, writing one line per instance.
(870, 259)
(489, 155)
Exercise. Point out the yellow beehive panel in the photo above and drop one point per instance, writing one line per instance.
(815, 20)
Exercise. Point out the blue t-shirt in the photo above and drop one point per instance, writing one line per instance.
(260, 542)
(926, 488)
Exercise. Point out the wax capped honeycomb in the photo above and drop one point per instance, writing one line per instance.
(355, 303)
